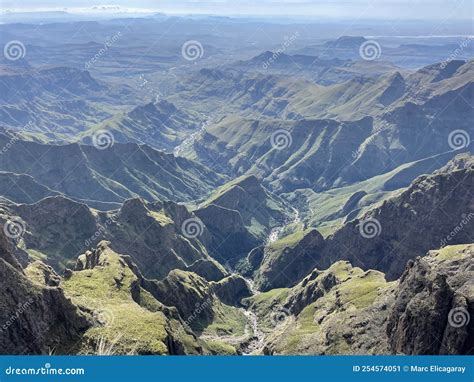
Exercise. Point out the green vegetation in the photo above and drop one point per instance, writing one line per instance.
(107, 290)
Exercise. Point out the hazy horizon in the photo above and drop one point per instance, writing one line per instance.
(382, 9)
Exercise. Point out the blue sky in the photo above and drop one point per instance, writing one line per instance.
(374, 9)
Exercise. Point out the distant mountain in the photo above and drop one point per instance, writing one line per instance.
(388, 235)
(325, 71)
(346, 42)
(115, 174)
(160, 125)
(406, 53)
(56, 104)
(411, 119)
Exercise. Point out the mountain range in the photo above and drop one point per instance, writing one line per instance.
(278, 195)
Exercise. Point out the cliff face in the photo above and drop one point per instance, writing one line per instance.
(437, 208)
(288, 260)
(239, 217)
(35, 318)
(156, 235)
(345, 310)
(434, 304)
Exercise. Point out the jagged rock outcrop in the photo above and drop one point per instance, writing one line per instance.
(345, 310)
(436, 207)
(232, 290)
(311, 288)
(42, 274)
(35, 318)
(126, 316)
(58, 230)
(239, 216)
(434, 304)
(289, 259)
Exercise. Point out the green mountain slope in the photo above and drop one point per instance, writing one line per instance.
(117, 173)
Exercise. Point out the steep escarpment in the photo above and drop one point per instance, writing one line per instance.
(287, 260)
(239, 216)
(345, 310)
(57, 230)
(35, 318)
(434, 304)
(436, 207)
(128, 320)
